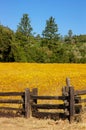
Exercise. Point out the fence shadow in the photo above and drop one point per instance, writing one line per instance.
(10, 114)
(49, 115)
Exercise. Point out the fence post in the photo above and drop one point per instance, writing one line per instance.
(71, 104)
(27, 103)
(67, 86)
(68, 82)
(65, 93)
(35, 93)
(69, 91)
(34, 101)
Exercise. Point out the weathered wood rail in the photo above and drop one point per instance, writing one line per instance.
(25, 96)
(74, 99)
(69, 108)
(35, 106)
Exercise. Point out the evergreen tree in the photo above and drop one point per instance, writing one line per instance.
(69, 38)
(70, 33)
(24, 26)
(51, 29)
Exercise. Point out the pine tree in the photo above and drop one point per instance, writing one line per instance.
(24, 26)
(51, 29)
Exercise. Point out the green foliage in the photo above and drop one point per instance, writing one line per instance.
(6, 39)
(21, 39)
(70, 33)
(24, 26)
(69, 38)
(21, 46)
(18, 53)
(51, 29)
(81, 38)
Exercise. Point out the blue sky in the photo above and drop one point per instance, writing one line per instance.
(68, 14)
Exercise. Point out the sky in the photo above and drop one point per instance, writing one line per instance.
(68, 14)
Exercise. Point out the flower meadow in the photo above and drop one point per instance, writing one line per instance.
(48, 78)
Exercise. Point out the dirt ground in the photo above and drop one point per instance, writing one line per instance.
(20, 123)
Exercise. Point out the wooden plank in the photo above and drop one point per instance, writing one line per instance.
(48, 106)
(10, 108)
(34, 95)
(80, 92)
(71, 104)
(34, 100)
(11, 93)
(11, 101)
(68, 82)
(27, 103)
(35, 91)
(48, 97)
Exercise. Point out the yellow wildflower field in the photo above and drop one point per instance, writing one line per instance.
(48, 78)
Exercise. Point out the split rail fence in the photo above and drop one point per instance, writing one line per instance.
(70, 107)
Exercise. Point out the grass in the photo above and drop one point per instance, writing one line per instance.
(37, 124)
(49, 79)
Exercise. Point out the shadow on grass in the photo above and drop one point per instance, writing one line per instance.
(10, 114)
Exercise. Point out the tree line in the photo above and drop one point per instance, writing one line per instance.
(49, 47)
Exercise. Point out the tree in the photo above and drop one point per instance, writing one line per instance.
(18, 54)
(24, 26)
(69, 37)
(82, 38)
(51, 29)
(70, 33)
(6, 41)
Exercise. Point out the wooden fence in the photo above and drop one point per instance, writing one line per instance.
(25, 96)
(35, 106)
(70, 107)
(74, 101)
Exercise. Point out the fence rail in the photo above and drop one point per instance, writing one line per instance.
(80, 92)
(48, 97)
(48, 106)
(12, 101)
(24, 101)
(11, 93)
(71, 106)
(10, 108)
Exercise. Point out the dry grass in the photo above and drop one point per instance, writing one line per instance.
(49, 79)
(37, 124)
